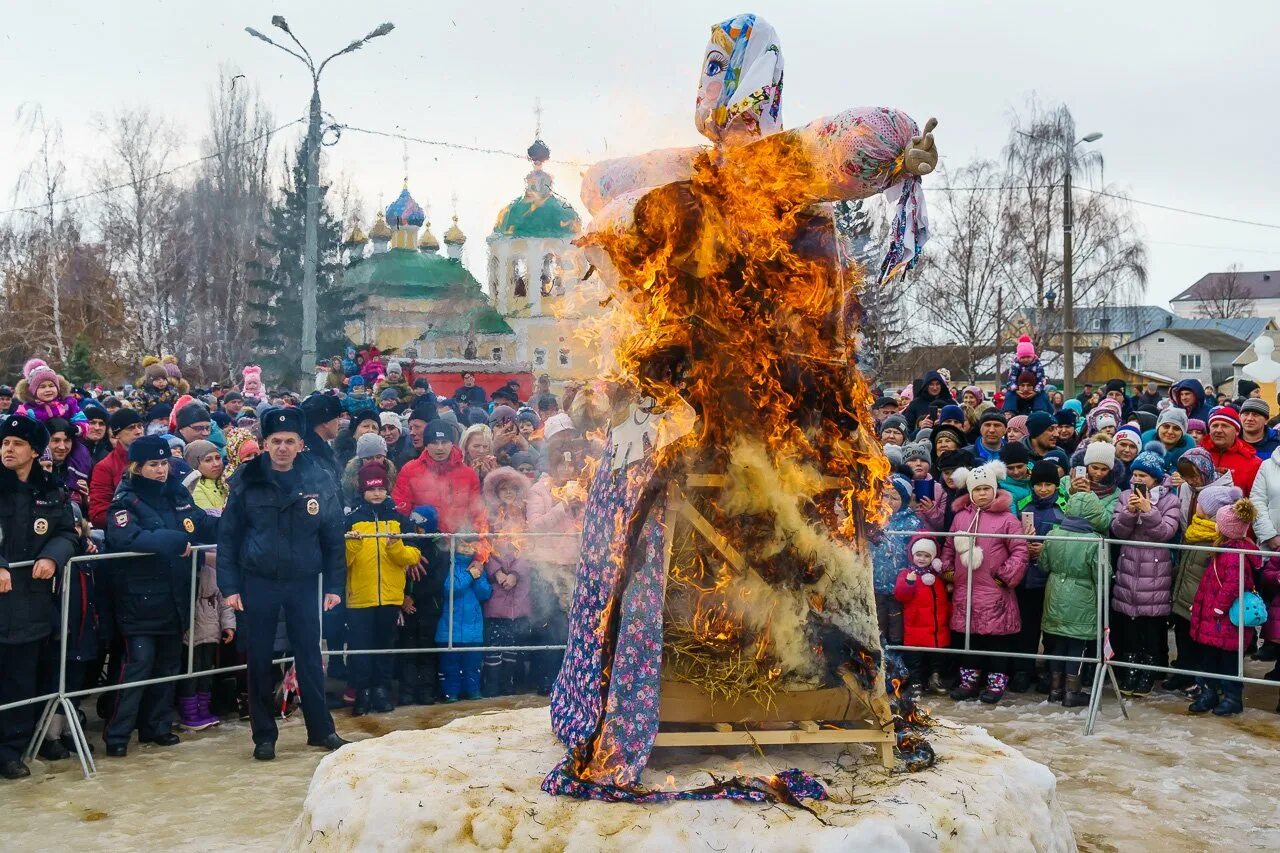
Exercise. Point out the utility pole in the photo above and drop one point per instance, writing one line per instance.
(1068, 294)
(311, 238)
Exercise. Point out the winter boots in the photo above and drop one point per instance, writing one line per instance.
(1021, 681)
(363, 703)
(1073, 696)
(1056, 691)
(380, 701)
(997, 683)
(1143, 679)
(968, 686)
(1206, 700)
(936, 687)
(1232, 699)
(203, 700)
(191, 718)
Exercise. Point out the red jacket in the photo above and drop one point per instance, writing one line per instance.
(1240, 459)
(103, 482)
(452, 487)
(1219, 588)
(925, 609)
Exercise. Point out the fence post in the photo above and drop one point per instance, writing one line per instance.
(1240, 619)
(191, 623)
(453, 547)
(968, 596)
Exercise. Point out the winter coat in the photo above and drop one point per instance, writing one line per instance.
(1015, 370)
(926, 609)
(102, 485)
(451, 486)
(1200, 410)
(1267, 446)
(356, 404)
(889, 552)
(376, 565)
(1240, 459)
(1270, 591)
(468, 594)
(1019, 490)
(1219, 588)
(1172, 454)
(401, 388)
(1265, 496)
(1003, 563)
(350, 480)
(472, 396)
(279, 534)
(1144, 574)
(1048, 515)
(209, 495)
(510, 603)
(922, 401)
(321, 451)
(77, 468)
(66, 407)
(545, 514)
(152, 594)
(1192, 564)
(36, 523)
(1070, 558)
(213, 614)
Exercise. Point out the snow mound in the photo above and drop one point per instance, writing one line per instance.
(474, 784)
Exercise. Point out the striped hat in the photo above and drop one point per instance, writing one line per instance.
(1226, 414)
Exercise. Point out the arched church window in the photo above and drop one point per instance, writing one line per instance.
(564, 357)
(540, 357)
(551, 282)
(497, 353)
(520, 278)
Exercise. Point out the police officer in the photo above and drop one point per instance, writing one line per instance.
(282, 527)
(35, 524)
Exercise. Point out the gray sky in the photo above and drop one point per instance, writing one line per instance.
(1184, 97)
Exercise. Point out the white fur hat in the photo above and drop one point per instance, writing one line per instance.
(924, 544)
(1102, 452)
(984, 475)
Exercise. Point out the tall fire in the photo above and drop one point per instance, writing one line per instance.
(743, 475)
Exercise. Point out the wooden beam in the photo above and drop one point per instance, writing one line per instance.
(786, 736)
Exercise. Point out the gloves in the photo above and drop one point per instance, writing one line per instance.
(911, 577)
(929, 579)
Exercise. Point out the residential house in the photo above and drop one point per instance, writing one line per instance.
(1184, 353)
(1256, 294)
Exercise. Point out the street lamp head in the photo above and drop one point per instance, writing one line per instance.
(1092, 137)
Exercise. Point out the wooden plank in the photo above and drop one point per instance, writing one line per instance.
(705, 481)
(807, 726)
(681, 702)
(722, 727)
(715, 537)
(774, 738)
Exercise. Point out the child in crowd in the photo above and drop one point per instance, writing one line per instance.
(358, 399)
(1025, 360)
(1017, 479)
(997, 566)
(506, 613)
(376, 565)
(1071, 557)
(43, 394)
(1217, 639)
(926, 610)
(1045, 514)
(889, 555)
(1142, 593)
(1094, 469)
(466, 589)
(1197, 430)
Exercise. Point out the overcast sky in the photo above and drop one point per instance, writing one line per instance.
(1184, 97)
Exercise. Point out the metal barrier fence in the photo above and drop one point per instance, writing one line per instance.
(1105, 666)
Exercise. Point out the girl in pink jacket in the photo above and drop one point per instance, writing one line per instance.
(985, 571)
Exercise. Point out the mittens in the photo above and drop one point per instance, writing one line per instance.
(929, 579)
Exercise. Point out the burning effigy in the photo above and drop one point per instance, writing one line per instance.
(739, 412)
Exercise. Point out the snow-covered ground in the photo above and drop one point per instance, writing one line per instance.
(1162, 781)
(474, 785)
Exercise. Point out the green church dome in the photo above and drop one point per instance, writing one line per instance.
(407, 273)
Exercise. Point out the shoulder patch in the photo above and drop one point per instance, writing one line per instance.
(121, 518)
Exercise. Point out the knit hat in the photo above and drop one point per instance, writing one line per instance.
(123, 418)
(149, 448)
(1196, 425)
(994, 415)
(370, 445)
(192, 414)
(1173, 415)
(1235, 519)
(1045, 471)
(437, 430)
(390, 419)
(1014, 453)
(975, 391)
(925, 544)
(949, 431)
(372, 475)
(1065, 417)
(903, 488)
(1115, 385)
(1149, 463)
(94, 412)
(421, 382)
(1245, 387)
(1101, 452)
(918, 450)
(1256, 405)
(1059, 457)
(500, 414)
(1227, 415)
(28, 429)
(354, 382)
(1038, 423)
(176, 442)
(951, 412)
(394, 367)
(197, 450)
(955, 460)
(1018, 422)
(555, 424)
(1103, 421)
(389, 394)
(36, 371)
(984, 475)
(1025, 349)
(1027, 377)
(897, 422)
(1214, 498)
(893, 453)
(522, 457)
(1129, 433)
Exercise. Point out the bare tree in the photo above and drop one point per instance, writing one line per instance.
(962, 273)
(1227, 296)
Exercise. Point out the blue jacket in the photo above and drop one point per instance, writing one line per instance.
(280, 535)
(1171, 457)
(1201, 408)
(468, 593)
(890, 554)
(1048, 514)
(1266, 447)
(355, 405)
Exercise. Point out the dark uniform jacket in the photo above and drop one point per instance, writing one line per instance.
(36, 523)
(279, 535)
(324, 454)
(153, 594)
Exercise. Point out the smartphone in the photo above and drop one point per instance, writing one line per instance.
(1029, 523)
(923, 489)
(1141, 491)
(1080, 473)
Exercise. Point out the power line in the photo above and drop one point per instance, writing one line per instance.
(1275, 252)
(158, 175)
(456, 145)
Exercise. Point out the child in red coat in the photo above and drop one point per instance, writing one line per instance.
(926, 611)
(1217, 639)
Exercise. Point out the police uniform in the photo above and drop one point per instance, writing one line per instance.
(152, 595)
(35, 524)
(279, 531)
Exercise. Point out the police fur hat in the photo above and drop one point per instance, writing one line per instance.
(28, 429)
(150, 448)
(321, 408)
(283, 419)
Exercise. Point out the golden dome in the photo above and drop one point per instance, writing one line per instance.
(454, 235)
(380, 229)
(428, 241)
(357, 236)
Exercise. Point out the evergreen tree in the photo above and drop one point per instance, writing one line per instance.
(78, 370)
(882, 323)
(276, 302)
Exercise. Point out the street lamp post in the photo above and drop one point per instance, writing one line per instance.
(311, 248)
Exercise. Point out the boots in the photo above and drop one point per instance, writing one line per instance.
(1055, 686)
(380, 701)
(1074, 697)
(202, 708)
(1044, 683)
(935, 684)
(997, 683)
(1206, 699)
(189, 715)
(1127, 678)
(1178, 682)
(1021, 681)
(364, 700)
(968, 686)
(1145, 679)
(1232, 694)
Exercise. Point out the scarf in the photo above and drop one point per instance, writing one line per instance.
(1201, 531)
(741, 80)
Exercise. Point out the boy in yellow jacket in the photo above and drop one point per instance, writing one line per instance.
(376, 567)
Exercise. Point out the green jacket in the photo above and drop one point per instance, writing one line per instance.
(1020, 490)
(1108, 503)
(1070, 558)
(1186, 579)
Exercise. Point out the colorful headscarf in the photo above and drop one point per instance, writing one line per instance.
(741, 85)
